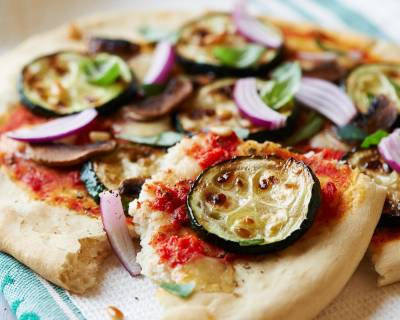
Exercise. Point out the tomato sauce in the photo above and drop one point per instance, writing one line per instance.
(172, 200)
(178, 249)
(61, 187)
(214, 149)
(57, 186)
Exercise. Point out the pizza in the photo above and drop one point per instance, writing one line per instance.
(256, 148)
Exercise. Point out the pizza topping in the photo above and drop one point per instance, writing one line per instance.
(243, 57)
(120, 47)
(214, 149)
(327, 99)
(163, 139)
(124, 169)
(177, 90)
(181, 290)
(389, 149)
(163, 61)
(253, 107)
(57, 186)
(69, 82)
(255, 30)
(67, 154)
(370, 162)
(113, 217)
(370, 81)
(54, 129)
(258, 205)
(211, 44)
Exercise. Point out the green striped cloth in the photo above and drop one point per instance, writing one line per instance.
(32, 298)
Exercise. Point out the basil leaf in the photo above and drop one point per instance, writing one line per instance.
(313, 125)
(164, 139)
(285, 82)
(180, 290)
(374, 139)
(351, 132)
(252, 242)
(149, 90)
(242, 133)
(238, 57)
(105, 69)
(156, 35)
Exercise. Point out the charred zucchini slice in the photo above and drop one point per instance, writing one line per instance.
(209, 43)
(68, 82)
(370, 162)
(125, 169)
(371, 81)
(254, 204)
(213, 106)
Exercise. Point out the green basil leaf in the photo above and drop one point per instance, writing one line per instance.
(155, 35)
(351, 132)
(149, 90)
(313, 124)
(374, 139)
(239, 57)
(285, 82)
(180, 290)
(164, 139)
(242, 133)
(105, 69)
(252, 242)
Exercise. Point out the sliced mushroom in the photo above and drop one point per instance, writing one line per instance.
(120, 47)
(177, 90)
(59, 155)
(381, 115)
(371, 163)
(131, 187)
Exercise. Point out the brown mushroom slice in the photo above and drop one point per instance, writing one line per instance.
(120, 47)
(382, 114)
(59, 155)
(131, 187)
(176, 91)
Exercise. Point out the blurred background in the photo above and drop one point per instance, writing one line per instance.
(377, 18)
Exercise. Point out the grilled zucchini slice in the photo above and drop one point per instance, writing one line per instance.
(254, 204)
(370, 81)
(125, 169)
(199, 39)
(64, 83)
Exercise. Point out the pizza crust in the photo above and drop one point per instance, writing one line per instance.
(386, 261)
(61, 257)
(62, 246)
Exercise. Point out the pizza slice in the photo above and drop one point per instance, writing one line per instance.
(243, 230)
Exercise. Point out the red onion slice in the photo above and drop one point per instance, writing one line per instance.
(163, 61)
(251, 105)
(254, 30)
(54, 129)
(113, 217)
(389, 148)
(327, 99)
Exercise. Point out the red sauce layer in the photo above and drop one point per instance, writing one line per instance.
(57, 186)
(172, 200)
(61, 187)
(214, 149)
(178, 249)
